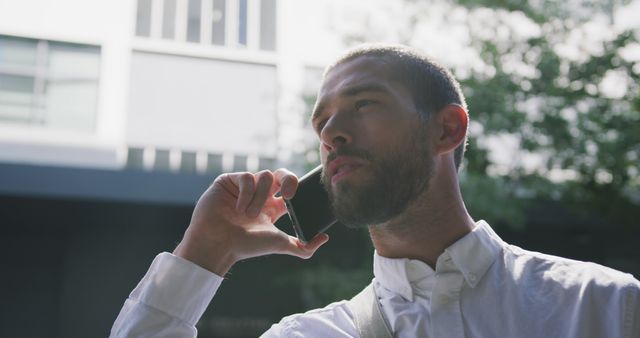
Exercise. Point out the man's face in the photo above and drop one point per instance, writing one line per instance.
(374, 146)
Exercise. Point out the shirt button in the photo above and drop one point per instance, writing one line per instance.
(444, 299)
(472, 277)
(412, 268)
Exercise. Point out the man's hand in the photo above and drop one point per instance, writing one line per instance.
(234, 218)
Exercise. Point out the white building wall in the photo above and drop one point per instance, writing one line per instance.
(108, 24)
(228, 98)
(202, 105)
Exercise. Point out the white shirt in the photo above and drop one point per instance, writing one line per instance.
(481, 287)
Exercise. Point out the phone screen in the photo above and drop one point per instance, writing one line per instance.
(310, 210)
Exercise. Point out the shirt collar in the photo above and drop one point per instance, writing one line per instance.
(472, 255)
(402, 275)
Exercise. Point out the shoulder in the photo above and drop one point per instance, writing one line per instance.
(561, 290)
(333, 320)
(567, 273)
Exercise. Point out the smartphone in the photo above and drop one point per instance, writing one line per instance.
(310, 210)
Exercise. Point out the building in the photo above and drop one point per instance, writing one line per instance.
(161, 85)
(114, 117)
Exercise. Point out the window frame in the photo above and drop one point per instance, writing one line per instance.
(41, 73)
(231, 17)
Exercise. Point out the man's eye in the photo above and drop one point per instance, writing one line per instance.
(362, 103)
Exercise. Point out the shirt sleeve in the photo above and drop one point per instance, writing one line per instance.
(168, 301)
(335, 320)
(632, 318)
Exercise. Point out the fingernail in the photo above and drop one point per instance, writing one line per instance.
(289, 192)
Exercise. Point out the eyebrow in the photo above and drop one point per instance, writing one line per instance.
(351, 91)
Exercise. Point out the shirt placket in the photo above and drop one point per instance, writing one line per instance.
(446, 316)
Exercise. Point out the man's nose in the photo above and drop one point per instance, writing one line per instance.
(336, 132)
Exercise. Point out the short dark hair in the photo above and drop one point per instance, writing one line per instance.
(432, 86)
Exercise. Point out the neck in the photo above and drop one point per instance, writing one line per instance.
(433, 222)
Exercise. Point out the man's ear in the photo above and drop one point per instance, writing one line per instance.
(451, 124)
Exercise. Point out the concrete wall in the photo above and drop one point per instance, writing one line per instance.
(202, 104)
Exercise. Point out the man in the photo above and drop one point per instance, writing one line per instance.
(392, 126)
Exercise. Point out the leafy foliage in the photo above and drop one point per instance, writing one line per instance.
(555, 111)
(563, 113)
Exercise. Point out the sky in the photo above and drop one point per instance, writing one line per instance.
(313, 33)
(323, 22)
(443, 32)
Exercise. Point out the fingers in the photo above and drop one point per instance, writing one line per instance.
(246, 187)
(286, 182)
(277, 210)
(255, 189)
(264, 182)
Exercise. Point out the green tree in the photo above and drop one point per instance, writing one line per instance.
(568, 122)
(567, 111)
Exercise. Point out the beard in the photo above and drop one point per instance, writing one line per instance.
(397, 177)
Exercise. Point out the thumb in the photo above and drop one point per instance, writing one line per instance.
(295, 247)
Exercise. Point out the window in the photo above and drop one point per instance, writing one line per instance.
(243, 24)
(268, 25)
(48, 83)
(218, 22)
(169, 19)
(143, 22)
(193, 23)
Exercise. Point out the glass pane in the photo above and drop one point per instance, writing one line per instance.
(16, 98)
(218, 16)
(135, 158)
(16, 83)
(188, 162)
(268, 25)
(143, 20)
(242, 23)
(239, 163)
(169, 19)
(267, 163)
(71, 88)
(193, 23)
(71, 104)
(68, 60)
(162, 160)
(17, 51)
(214, 163)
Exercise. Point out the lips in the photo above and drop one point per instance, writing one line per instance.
(342, 166)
